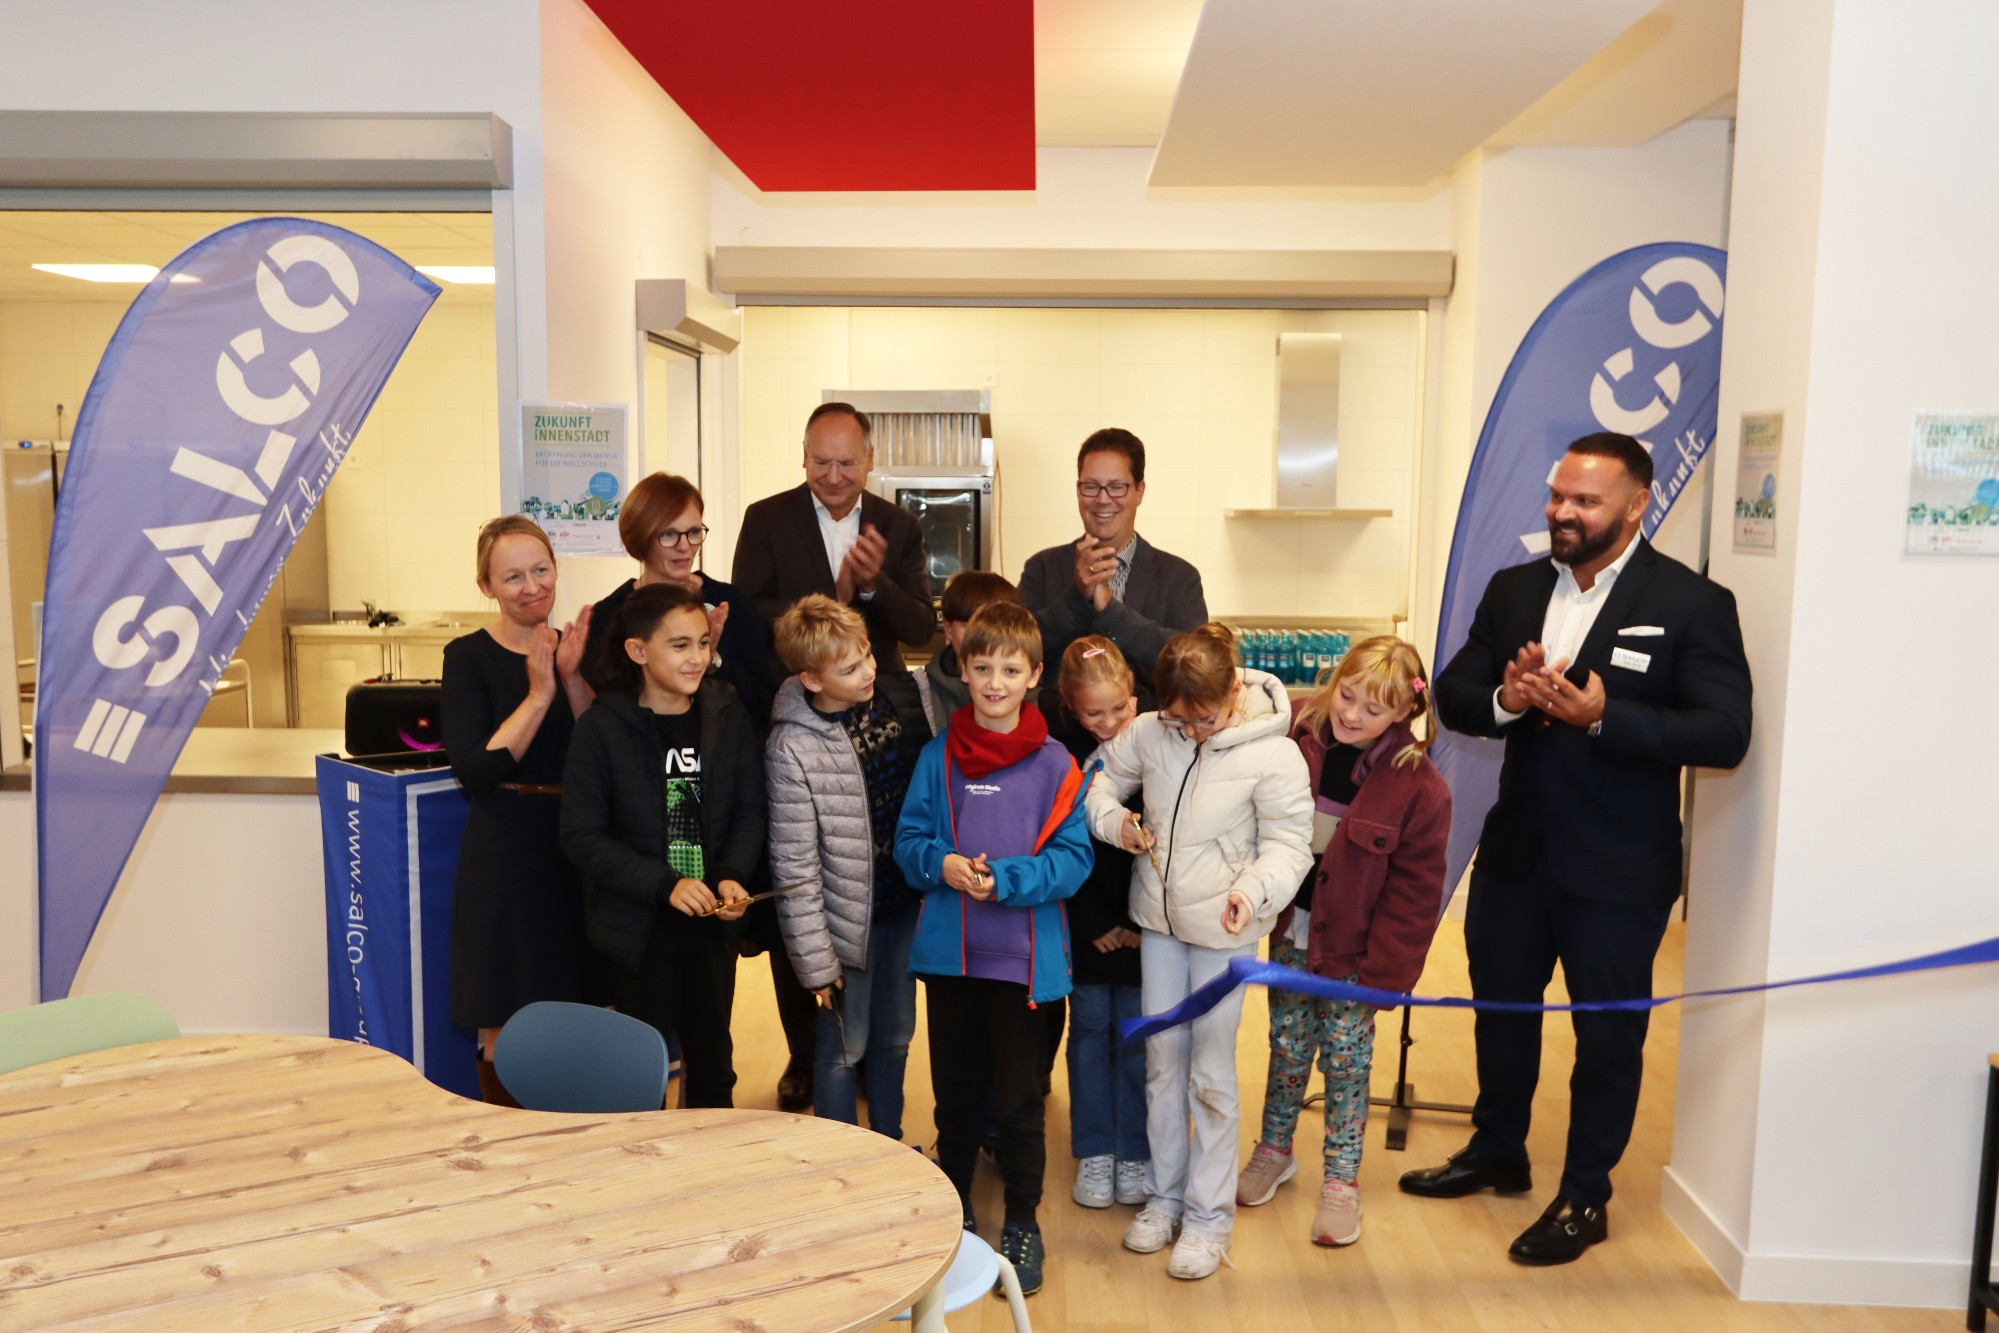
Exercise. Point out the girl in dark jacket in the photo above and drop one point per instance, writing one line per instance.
(1106, 1075)
(1366, 912)
(664, 813)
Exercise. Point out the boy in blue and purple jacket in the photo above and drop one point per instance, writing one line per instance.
(993, 835)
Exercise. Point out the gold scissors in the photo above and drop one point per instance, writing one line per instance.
(1138, 822)
(753, 898)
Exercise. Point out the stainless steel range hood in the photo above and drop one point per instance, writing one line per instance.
(1308, 420)
(1308, 431)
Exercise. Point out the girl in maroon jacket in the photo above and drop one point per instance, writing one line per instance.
(1366, 912)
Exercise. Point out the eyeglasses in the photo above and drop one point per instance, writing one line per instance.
(843, 466)
(1090, 490)
(675, 536)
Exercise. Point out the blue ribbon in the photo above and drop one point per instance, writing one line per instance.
(1251, 971)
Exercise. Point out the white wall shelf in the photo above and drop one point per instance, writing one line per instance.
(1309, 513)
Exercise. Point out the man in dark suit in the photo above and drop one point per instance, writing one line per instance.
(832, 536)
(829, 536)
(1110, 581)
(1608, 669)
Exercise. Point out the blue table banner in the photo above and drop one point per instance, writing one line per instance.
(391, 850)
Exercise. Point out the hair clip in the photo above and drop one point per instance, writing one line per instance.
(1088, 653)
(1416, 684)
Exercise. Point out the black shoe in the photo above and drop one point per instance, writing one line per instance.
(794, 1088)
(1021, 1247)
(1465, 1174)
(1561, 1234)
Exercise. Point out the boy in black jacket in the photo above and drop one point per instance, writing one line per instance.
(664, 813)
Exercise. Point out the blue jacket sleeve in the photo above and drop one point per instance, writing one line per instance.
(922, 834)
(1053, 873)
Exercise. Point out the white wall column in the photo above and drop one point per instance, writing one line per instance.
(1825, 1141)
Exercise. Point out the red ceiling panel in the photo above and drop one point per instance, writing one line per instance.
(848, 94)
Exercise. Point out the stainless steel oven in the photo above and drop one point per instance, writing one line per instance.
(953, 506)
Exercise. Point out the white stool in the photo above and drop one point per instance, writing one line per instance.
(973, 1271)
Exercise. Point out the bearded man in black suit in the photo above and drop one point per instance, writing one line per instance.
(1609, 669)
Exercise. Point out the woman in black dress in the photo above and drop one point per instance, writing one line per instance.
(511, 697)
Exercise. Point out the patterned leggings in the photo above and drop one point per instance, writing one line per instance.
(1342, 1034)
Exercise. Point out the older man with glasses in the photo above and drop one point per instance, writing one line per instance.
(831, 536)
(1110, 581)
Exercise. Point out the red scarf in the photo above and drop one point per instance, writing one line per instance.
(978, 752)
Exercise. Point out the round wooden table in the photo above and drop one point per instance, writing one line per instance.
(290, 1183)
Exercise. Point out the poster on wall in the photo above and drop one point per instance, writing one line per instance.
(573, 474)
(1756, 482)
(1953, 484)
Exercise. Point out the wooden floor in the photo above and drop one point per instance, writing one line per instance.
(1421, 1264)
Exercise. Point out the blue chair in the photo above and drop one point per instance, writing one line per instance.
(557, 1056)
(970, 1278)
(79, 1025)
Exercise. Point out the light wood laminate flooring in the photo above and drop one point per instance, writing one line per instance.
(1421, 1265)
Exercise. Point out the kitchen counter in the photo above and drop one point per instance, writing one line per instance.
(265, 761)
(447, 628)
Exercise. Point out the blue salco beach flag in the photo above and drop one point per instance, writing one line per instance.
(227, 398)
(1634, 346)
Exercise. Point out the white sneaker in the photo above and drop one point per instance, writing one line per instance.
(1196, 1256)
(1150, 1232)
(1131, 1182)
(1093, 1181)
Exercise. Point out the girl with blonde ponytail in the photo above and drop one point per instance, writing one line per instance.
(1365, 912)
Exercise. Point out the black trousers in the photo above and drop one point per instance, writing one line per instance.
(988, 1050)
(1516, 930)
(690, 995)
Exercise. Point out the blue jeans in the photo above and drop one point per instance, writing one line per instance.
(875, 1019)
(1106, 1078)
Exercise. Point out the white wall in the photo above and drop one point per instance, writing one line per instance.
(1088, 198)
(423, 474)
(1199, 387)
(627, 195)
(1869, 131)
(247, 956)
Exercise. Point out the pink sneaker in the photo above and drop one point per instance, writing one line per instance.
(1267, 1169)
(1338, 1219)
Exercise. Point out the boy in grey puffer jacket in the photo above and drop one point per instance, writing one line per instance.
(841, 748)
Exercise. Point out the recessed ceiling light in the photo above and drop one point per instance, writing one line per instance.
(102, 272)
(468, 274)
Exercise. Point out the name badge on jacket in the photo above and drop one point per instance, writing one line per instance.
(1630, 661)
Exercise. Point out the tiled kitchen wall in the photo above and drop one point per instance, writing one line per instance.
(406, 505)
(1198, 386)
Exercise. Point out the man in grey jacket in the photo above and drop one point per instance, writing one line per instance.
(1110, 581)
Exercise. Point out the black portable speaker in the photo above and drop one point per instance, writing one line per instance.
(395, 716)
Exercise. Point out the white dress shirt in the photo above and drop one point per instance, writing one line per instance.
(839, 534)
(1571, 614)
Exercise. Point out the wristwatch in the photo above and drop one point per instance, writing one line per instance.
(1596, 727)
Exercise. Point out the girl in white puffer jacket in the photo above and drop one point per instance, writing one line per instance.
(1224, 843)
